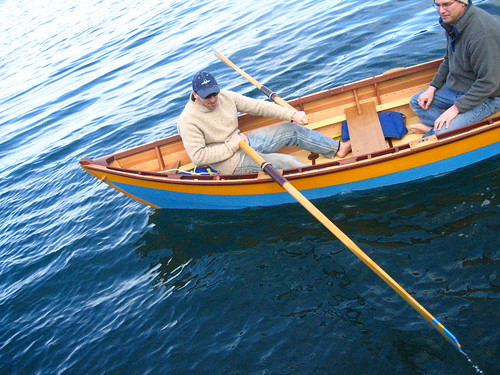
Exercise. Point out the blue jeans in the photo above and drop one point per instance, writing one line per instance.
(270, 139)
(444, 99)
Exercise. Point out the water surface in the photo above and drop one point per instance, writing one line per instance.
(93, 282)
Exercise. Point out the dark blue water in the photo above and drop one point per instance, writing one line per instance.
(92, 282)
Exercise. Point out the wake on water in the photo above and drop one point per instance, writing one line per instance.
(476, 367)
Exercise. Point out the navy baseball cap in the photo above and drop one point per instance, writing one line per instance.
(205, 84)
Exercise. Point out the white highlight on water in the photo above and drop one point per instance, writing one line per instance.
(478, 370)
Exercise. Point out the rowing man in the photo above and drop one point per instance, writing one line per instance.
(209, 129)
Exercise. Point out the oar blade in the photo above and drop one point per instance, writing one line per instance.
(446, 333)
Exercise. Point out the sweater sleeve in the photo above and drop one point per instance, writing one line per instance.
(261, 108)
(199, 151)
(440, 77)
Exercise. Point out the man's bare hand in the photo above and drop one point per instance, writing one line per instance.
(425, 99)
(446, 118)
(300, 117)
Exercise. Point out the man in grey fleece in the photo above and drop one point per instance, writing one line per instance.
(466, 88)
(208, 126)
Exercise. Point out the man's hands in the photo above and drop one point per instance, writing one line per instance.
(234, 141)
(425, 100)
(236, 138)
(300, 118)
(446, 118)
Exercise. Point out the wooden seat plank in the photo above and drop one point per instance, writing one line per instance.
(365, 130)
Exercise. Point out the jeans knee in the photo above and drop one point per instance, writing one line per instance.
(493, 105)
(414, 101)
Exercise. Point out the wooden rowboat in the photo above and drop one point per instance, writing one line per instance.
(150, 173)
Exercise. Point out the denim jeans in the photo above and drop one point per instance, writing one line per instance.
(444, 99)
(270, 139)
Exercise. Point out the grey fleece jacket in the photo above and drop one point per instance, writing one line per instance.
(205, 133)
(472, 61)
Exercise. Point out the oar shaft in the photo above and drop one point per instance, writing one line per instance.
(271, 94)
(252, 80)
(313, 210)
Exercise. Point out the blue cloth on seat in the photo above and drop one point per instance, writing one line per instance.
(200, 170)
(393, 125)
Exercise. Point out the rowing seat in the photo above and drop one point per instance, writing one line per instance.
(365, 129)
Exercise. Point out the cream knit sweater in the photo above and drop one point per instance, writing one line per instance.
(205, 132)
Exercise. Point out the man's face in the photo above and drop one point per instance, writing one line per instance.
(450, 11)
(210, 101)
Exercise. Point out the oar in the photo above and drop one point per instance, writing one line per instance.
(266, 91)
(283, 182)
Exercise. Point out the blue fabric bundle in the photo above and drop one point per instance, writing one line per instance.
(200, 170)
(393, 125)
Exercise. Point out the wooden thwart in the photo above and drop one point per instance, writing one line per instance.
(365, 130)
(159, 156)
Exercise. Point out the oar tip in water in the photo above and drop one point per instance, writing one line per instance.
(446, 333)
